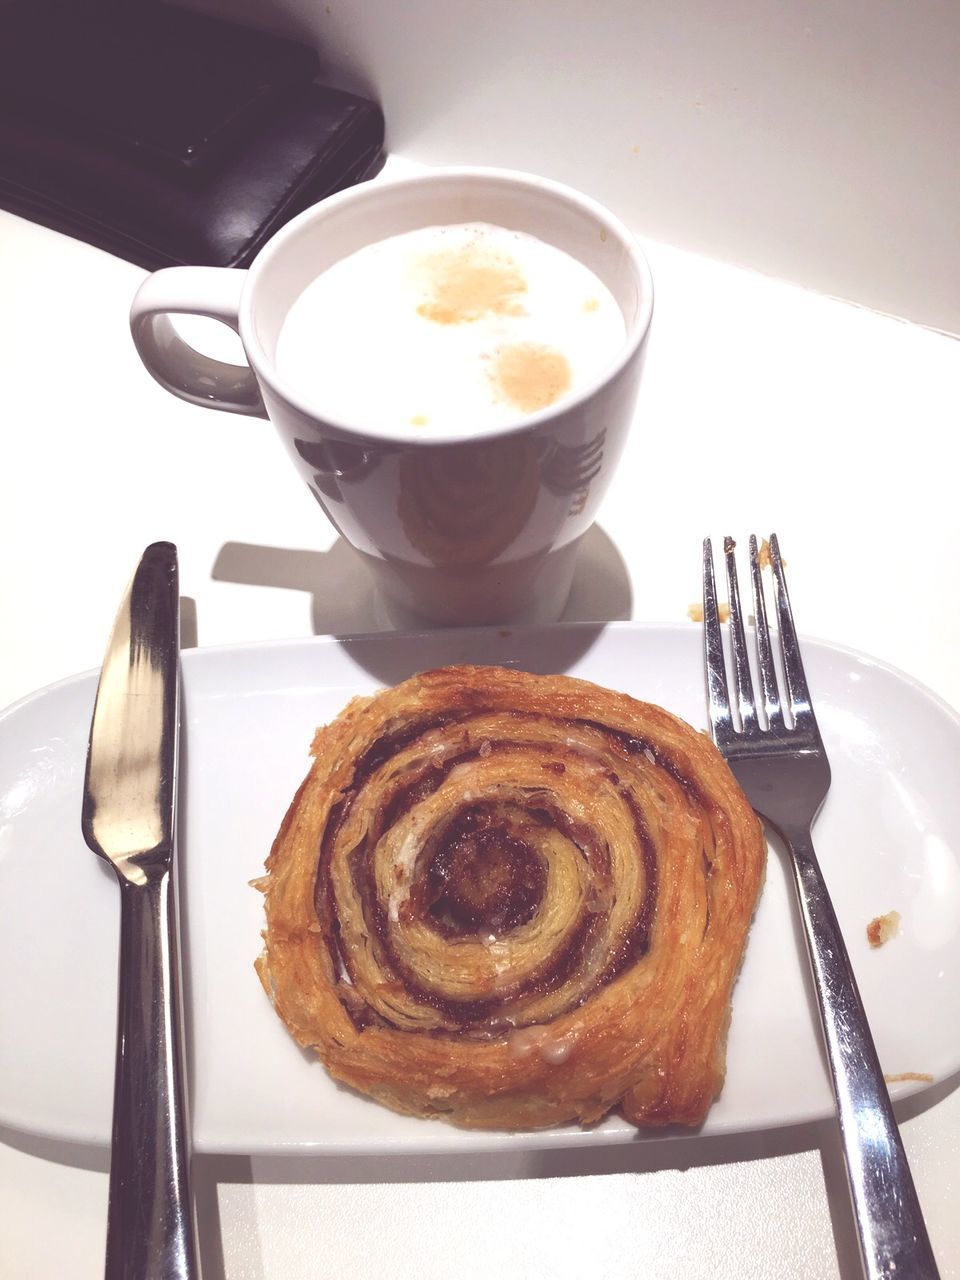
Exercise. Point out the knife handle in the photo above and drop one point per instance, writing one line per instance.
(150, 1226)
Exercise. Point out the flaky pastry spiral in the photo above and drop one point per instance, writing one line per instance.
(513, 901)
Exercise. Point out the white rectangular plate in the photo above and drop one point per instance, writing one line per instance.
(888, 839)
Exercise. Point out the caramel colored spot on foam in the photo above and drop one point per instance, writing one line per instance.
(418, 420)
(471, 281)
(531, 377)
(591, 304)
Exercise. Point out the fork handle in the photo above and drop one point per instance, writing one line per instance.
(890, 1227)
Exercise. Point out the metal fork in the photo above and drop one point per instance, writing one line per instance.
(783, 769)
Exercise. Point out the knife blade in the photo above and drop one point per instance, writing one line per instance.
(129, 819)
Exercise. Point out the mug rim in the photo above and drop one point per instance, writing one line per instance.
(636, 332)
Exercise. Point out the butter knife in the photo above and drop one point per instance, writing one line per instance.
(129, 810)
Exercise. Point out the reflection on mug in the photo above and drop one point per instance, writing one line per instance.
(570, 469)
(465, 505)
(337, 458)
(325, 486)
(332, 461)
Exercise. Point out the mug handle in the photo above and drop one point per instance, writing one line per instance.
(188, 373)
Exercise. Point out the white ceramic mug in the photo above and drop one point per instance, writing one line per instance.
(455, 528)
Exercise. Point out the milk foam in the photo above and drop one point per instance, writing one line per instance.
(452, 328)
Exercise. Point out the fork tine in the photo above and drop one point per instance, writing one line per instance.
(800, 705)
(785, 777)
(768, 672)
(717, 698)
(741, 663)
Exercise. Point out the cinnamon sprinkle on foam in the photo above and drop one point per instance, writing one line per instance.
(530, 376)
(471, 281)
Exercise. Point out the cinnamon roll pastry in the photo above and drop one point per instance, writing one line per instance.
(513, 901)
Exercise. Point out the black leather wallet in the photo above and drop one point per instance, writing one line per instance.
(165, 136)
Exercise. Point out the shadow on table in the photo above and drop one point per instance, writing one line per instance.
(343, 601)
(673, 1150)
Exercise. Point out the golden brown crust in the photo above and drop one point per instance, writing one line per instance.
(513, 901)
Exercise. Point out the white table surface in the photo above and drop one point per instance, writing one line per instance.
(763, 407)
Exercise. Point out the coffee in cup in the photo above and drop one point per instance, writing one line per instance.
(455, 328)
(452, 362)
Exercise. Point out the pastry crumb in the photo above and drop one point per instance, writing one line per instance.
(882, 928)
(695, 612)
(763, 555)
(920, 1077)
